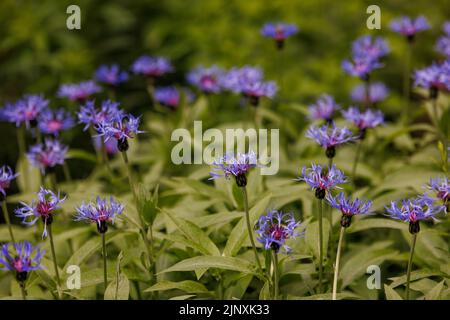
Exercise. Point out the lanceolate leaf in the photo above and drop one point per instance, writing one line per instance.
(220, 262)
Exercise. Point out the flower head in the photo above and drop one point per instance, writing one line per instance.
(92, 116)
(237, 166)
(111, 75)
(249, 81)
(323, 109)
(122, 127)
(441, 188)
(364, 120)
(167, 96)
(322, 179)
(79, 92)
(371, 48)
(408, 26)
(26, 110)
(274, 228)
(152, 66)
(206, 79)
(329, 137)
(45, 206)
(414, 210)
(361, 66)
(377, 93)
(6, 176)
(348, 207)
(279, 31)
(99, 212)
(443, 45)
(55, 121)
(22, 259)
(47, 155)
(435, 77)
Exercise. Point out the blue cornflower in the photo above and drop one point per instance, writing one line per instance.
(409, 27)
(206, 79)
(274, 228)
(435, 77)
(363, 120)
(348, 207)
(360, 66)
(6, 176)
(153, 67)
(47, 155)
(55, 121)
(22, 260)
(45, 206)
(329, 137)
(237, 166)
(443, 45)
(414, 210)
(122, 127)
(279, 32)
(111, 75)
(377, 93)
(323, 109)
(249, 81)
(441, 188)
(371, 48)
(79, 92)
(92, 116)
(167, 96)
(99, 212)
(25, 110)
(322, 179)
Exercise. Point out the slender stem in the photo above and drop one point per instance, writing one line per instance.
(105, 267)
(55, 264)
(338, 258)
(148, 244)
(22, 150)
(53, 184)
(408, 272)
(38, 135)
(249, 228)
(7, 220)
(22, 290)
(330, 162)
(275, 274)
(320, 245)
(355, 162)
(435, 113)
(67, 174)
(406, 81)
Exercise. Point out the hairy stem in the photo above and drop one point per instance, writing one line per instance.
(408, 272)
(105, 268)
(55, 264)
(22, 290)
(275, 274)
(338, 258)
(7, 220)
(249, 228)
(320, 244)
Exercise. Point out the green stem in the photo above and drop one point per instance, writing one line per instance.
(338, 258)
(408, 272)
(249, 228)
(406, 81)
(275, 274)
(38, 135)
(55, 265)
(105, 267)
(8, 221)
(320, 245)
(22, 290)
(355, 162)
(148, 245)
(22, 152)
(67, 174)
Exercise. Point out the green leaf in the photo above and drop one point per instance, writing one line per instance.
(239, 234)
(118, 289)
(391, 294)
(82, 155)
(415, 275)
(435, 293)
(312, 237)
(220, 262)
(188, 286)
(194, 234)
(365, 224)
(33, 178)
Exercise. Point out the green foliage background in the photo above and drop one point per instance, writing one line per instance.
(199, 219)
